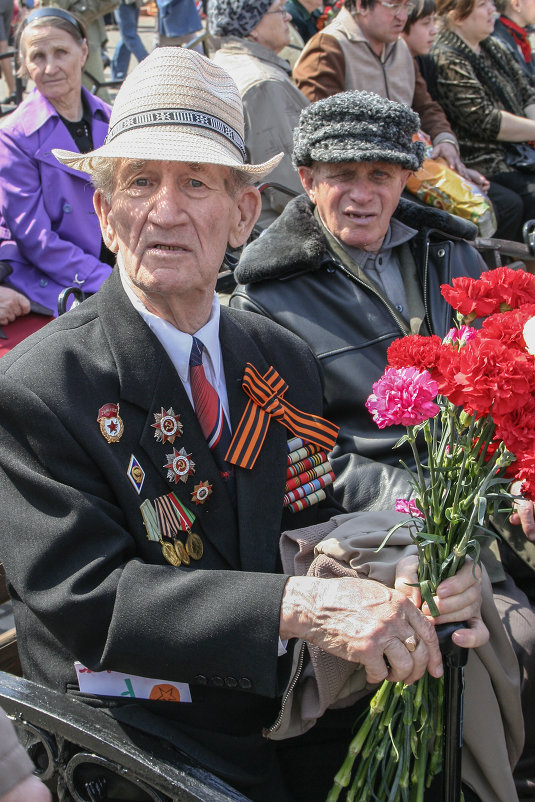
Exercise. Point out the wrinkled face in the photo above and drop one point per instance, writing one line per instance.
(355, 199)
(273, 30)
(54, 61)
(422, 35)
(381, 25)
(171, 222)
(479, 23)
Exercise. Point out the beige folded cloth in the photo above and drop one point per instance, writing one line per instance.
(493, 724)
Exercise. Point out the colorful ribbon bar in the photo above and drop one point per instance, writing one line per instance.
(265, 402)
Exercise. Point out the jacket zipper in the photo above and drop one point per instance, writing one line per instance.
(400, 322)
(268, 730)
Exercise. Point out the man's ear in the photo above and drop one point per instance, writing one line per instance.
(248, 207)
(102, 208)
(307, 179)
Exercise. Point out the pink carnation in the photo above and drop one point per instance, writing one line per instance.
(408, 508)
(460, 336)
(403, 396)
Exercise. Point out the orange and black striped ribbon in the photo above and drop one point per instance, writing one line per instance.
(267, 402)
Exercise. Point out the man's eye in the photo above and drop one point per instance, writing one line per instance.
(141, 182)
(195, 183)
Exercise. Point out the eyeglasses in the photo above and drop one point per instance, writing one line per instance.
(398, 8)
(282, 10)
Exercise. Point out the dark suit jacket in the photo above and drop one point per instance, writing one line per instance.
(87, 583)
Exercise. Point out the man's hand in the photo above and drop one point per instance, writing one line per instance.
(458, 599)
(31, 789)
(362, 621)
(450, 154)
(523, 512)
(12, 305)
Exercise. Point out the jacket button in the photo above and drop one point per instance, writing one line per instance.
(245, 683)
(231, 682)
(441, 252)
(67, 207)
(216, 682)
(200, 679)
(43, 282)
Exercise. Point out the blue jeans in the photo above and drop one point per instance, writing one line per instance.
(126, 17)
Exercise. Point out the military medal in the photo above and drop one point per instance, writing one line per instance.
(168, 551)
(111, 425)
(135, 473)
(201, 492)
(167, 425)
(308, 472)
(179, 465)
(164, 520)
(180, 549)
(194, 546)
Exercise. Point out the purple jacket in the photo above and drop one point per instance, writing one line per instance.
(49, 232)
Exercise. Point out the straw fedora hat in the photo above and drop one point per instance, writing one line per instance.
(176, 105)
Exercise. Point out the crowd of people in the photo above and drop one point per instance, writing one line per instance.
(156, 501)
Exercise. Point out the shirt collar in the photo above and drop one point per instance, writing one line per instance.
(176, 343)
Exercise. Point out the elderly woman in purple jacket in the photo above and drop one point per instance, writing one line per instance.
(49, 234)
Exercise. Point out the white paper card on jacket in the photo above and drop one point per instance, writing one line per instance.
(114, 683)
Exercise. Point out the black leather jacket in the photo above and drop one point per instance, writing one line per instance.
(289, 275)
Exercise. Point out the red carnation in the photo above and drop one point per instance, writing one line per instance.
(497, 290)
(517, 428)
(485, 377)
(507, 327)
(526, 473)
(415, 351)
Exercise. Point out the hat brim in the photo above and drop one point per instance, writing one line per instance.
(166, 146)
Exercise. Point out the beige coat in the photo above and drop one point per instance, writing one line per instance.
(493, 729)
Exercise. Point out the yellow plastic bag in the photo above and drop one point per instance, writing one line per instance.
(438, 185)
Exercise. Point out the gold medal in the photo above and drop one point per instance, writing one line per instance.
(194, 546)
(182, 554)
(111, 424)
(170, 554)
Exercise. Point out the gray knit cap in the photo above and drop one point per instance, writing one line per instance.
(235, 17)
(357, 127)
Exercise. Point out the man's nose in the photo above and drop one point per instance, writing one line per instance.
(168, 204)
(361, 190)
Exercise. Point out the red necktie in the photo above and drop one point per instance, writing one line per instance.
(209, 411)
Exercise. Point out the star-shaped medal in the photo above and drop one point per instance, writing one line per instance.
(167, 425)
(179, 465)
(201, 492)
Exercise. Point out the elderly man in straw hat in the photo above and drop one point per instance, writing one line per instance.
(148, 435)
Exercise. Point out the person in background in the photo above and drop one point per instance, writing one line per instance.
(305, 15)
(252, 33)
(6, 14)
(512, 29)
(419, 34)
(177, 23)
(488, 98)
(93, 73)
(127, 17)
(17, 781)
(49, 235)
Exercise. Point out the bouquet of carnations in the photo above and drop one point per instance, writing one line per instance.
(471, 398)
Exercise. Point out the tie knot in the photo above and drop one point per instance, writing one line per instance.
(195, 357)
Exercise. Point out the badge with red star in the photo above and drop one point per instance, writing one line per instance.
(179, 465)
(167, 425)
(111, 425)
(201, 492)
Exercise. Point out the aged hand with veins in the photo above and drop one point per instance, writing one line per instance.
(362, 621)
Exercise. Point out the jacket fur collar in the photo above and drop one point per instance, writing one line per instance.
(294, 242)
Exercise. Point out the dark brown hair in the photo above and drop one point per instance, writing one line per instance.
(462, 8)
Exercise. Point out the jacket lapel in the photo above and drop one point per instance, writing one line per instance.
(149, 381)
(260, 490)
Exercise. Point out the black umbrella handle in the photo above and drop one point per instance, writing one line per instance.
(454, 658)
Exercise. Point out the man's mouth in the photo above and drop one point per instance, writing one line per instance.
(161, 247)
